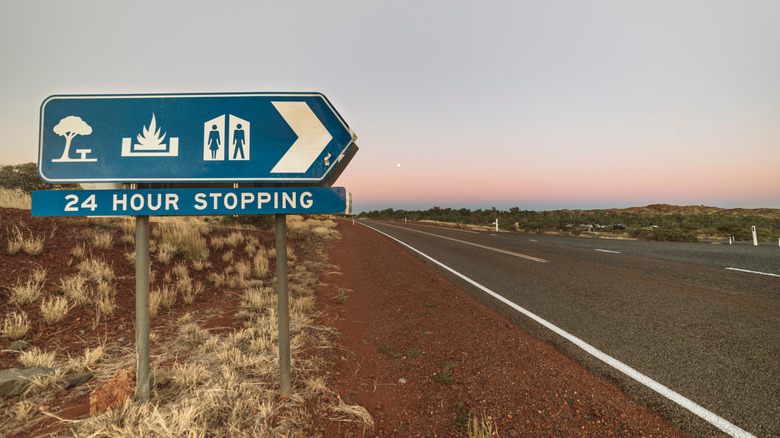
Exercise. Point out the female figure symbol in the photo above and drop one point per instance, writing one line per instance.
(213, 142)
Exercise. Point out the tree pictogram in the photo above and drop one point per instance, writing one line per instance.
(70, 127)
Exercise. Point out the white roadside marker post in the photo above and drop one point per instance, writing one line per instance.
(755, 237)
(496, 224)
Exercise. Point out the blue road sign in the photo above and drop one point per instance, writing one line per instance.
(237, 137)
(190, 202)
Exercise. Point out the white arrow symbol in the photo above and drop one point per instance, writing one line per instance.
(312, 137)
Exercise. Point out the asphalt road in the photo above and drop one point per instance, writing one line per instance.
(677, 313)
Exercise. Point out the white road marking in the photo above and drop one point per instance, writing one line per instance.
(693, 407)
(607, 250)
(503, 251)
(753, 272)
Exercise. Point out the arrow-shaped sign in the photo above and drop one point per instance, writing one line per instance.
(265, 138)
(312, 137)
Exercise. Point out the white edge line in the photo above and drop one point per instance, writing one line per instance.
(607, 250)
(753, 272)
(690, 405)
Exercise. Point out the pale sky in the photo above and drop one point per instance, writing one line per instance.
(538, 105)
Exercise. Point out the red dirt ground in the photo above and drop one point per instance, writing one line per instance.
(415, 350)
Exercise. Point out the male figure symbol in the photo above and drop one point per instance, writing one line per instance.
(238, 141)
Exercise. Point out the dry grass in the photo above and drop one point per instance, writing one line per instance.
(102, 239)
(26, 293)
(15, 198)
(243, 270)
(206, 384)
(161, 297)
(181, 271)
(96, 270)
(200, 265)
(34, 357)
(316, 227)
(79, 251)
(88, 361)
(189, 292)
(481, 426)
(234, 239)
(203, 384)
(54, 309)
(105, 302)
(32, 245)
(15, 325)
(165, 253)
(260, 265)
(184, 235)
(76, 289)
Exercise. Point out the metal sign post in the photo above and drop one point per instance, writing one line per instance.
(282, 305)
(142, 306)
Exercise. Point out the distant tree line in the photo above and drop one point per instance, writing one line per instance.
(676, 227)
(25, 177)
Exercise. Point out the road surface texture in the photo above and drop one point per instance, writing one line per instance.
(679, 315)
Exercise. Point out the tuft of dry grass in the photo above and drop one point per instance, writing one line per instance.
(17, 242)
(260, 265)
(76, 289)
(34, 357)
(26, 293)
(189, 291)
(104, 299)
(243, 270)
(23, 411)
(54, 309)
(200, 265)
(88, 361)
(102, 239)
(481, 426)
(165, 253)
(234, 239)
(184, 235)
(96, 270)
(181, 271)
(162, 296)
(15, 325)
(79, 251)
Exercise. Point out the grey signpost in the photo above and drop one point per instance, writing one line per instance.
(227, 153)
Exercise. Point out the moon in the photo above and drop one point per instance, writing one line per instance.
(398, 165)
